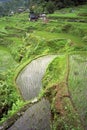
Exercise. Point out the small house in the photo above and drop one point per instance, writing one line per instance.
(33, 16)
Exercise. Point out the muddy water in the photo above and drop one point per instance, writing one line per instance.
(38, 116)
(29, 80)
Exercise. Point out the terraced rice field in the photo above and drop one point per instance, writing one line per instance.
(21, 42)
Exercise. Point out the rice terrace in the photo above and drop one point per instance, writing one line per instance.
(43, 65)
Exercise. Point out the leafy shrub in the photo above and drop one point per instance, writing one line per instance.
(50, 7)
(8, 96)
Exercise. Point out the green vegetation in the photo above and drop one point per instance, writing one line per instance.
(64, 35)
(77, 83)
(55, 89)
(9, 97)
(55, 72)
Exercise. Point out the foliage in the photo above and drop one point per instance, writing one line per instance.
(9, 96)
(50, 7)
(55, 72)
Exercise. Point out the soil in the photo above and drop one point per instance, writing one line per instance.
(61, 94)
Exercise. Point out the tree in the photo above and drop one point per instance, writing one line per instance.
(50, 7)
(1, 10)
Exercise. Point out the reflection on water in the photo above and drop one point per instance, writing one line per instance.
(29, 80)
(36, 117)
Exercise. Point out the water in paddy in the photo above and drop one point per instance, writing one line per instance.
(29, 80)
(38, 116)
(78, 84)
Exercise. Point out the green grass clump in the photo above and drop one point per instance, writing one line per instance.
(55, 71)
(6, 60)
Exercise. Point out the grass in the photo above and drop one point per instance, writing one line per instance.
(48, 35)
(6, 60)
(55, 72)
(77, 83)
